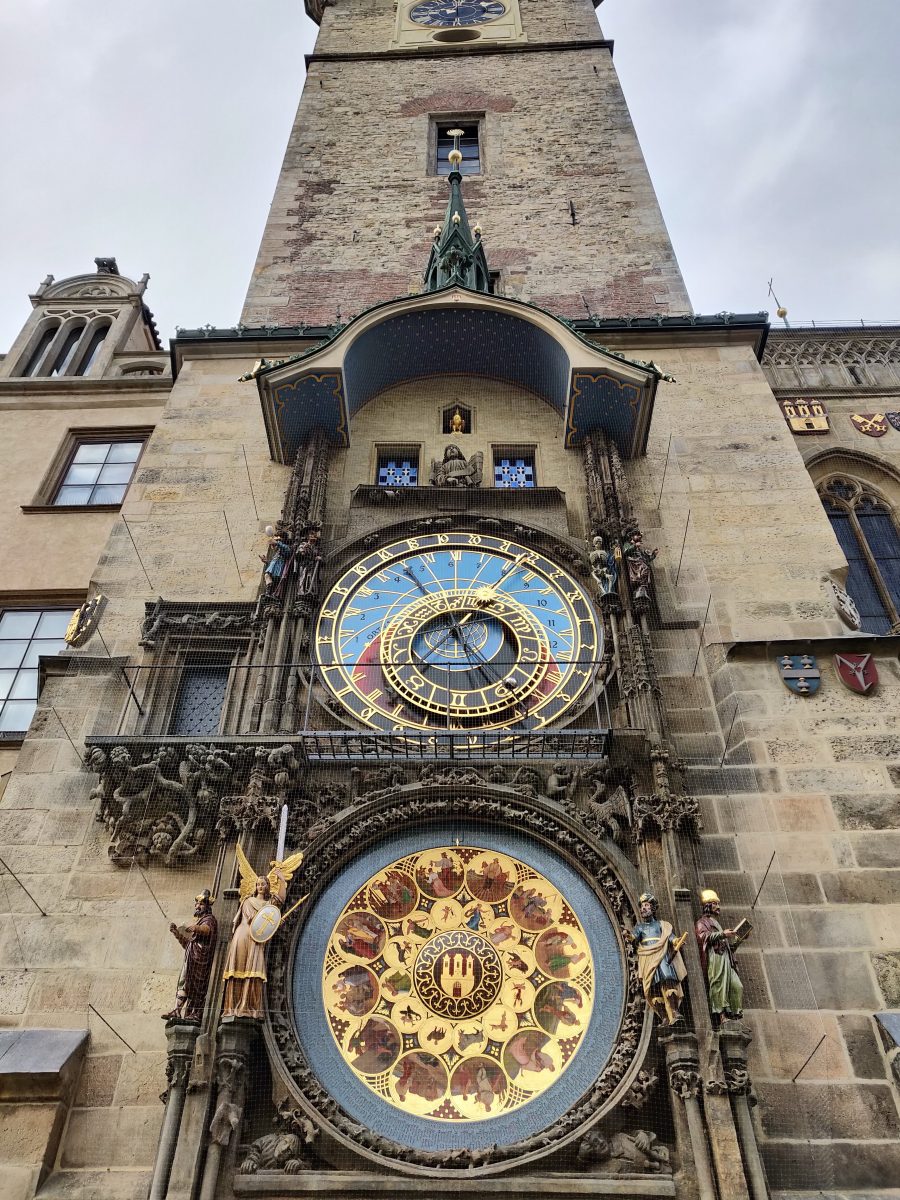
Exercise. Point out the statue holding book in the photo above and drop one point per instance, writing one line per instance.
(717, 957)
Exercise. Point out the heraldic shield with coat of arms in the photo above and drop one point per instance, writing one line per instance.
(856, 671)
(800, 673)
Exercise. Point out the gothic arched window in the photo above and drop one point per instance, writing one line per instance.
(866, 528)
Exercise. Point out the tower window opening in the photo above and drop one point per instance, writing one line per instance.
(97, 339)
(468, 144)
(67, 349)
(32, 366)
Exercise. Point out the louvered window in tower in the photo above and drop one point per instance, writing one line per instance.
(201, 695)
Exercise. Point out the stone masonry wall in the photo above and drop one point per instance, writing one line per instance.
(356, 200)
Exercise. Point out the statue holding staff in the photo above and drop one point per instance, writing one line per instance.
(660, 964)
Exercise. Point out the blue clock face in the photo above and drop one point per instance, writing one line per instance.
(449, 13)
(457, 630)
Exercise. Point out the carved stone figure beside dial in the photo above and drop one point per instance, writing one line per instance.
(639, 560)
(605, 571)
(660, 964)
(458, 630)
(455, 470)
(717, 950)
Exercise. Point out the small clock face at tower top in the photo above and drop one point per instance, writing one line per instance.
(449, 13)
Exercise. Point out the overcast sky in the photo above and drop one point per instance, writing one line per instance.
(154, 132)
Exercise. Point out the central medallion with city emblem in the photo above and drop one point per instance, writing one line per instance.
(458, 983)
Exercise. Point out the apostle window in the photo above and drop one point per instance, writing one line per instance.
(26, 634)
(398, 466)
(97, 471)
(514, 467)
(469, 145)
(867, 531)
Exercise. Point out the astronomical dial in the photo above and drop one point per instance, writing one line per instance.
(457, 631)
(449, 13)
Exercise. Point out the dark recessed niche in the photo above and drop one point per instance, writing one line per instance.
(456, 419)
(456, 35)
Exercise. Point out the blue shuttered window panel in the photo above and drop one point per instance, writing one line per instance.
(860, 583)
(884, 543)
(396, 472)
(514, 472)
(201, 694)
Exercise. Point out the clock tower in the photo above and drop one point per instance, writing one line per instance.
(551, 157)
(502, 716)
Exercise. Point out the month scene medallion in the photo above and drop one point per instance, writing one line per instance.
(458, 983)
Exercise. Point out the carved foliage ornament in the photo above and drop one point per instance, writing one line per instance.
(343, 843)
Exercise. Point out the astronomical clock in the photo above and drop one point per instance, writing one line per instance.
(457, 989)
(457, 630)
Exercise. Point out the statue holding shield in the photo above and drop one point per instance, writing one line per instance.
(257, 918)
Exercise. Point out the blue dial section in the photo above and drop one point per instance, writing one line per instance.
(449, 13)
(457, 630)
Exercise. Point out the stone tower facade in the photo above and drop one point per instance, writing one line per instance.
(573, 222)
(571, 656)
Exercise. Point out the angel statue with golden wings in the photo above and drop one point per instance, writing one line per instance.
(245, 965)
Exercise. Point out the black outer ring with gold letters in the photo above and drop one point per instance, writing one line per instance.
(545, 640)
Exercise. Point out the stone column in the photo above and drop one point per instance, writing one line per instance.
(181, 1039)
(235, 1038)
(734, 1039)
(685, 1084)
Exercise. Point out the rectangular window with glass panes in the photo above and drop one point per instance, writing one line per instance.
(98, 472)
(26, 634)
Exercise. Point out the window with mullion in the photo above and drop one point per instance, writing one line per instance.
(98, 473)
(26, 634)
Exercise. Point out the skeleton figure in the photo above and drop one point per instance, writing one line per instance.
(455, 471)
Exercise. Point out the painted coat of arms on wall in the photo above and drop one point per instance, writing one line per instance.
(894, 418)
(871, 424)
(800, 673)
(856, 672)
(805, 416)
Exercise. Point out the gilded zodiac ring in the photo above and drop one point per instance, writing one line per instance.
(458, 983)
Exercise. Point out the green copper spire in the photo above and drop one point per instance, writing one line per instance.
(457, 255)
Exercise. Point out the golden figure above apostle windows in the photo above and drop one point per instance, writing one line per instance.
(456, 419)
